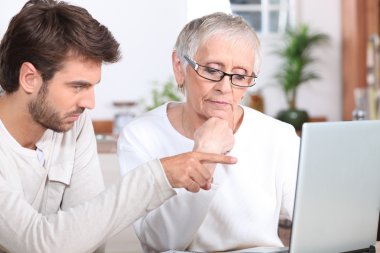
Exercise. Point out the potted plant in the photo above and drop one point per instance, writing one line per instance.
(168, 92)
(295, 70)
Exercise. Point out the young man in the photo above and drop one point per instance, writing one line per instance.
(51, 187)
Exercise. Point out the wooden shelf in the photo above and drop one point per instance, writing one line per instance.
(103, 126)
(360, 19)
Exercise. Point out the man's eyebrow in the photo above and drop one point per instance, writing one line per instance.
(82, 82)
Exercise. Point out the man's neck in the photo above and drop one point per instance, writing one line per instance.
(17, 120)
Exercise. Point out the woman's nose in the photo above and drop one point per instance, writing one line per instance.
(224, 85)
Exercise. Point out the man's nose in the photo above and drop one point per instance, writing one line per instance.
(88, 99)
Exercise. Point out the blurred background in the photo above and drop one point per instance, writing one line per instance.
(147, 30)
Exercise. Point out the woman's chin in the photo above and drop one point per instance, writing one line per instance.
(226, 115)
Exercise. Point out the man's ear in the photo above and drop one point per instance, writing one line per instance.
(29, 78)
(177, 69)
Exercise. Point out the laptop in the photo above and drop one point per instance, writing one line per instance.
(337, 201)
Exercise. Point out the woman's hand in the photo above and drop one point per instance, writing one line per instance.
(214, 136)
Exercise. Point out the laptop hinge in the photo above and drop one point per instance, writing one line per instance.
(371, 249)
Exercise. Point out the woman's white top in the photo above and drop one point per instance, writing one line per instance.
(243, 207)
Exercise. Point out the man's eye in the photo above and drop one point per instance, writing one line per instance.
(78, 88)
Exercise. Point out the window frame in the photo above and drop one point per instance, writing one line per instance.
(285, 9)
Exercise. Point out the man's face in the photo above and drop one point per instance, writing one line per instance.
(61, 100)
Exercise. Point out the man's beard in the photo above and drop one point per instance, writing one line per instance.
(46, 115)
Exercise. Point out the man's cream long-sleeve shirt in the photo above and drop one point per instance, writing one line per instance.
(52, 200)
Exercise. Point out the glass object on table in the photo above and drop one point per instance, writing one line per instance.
(360, 111)
(126, 112)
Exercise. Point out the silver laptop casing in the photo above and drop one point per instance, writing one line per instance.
(338, 187)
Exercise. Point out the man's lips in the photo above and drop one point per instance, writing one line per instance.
(73, 117)
(75, 114)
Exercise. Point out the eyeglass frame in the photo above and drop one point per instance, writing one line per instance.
(194, 65)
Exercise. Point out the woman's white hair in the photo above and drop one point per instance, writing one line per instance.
(199, 30)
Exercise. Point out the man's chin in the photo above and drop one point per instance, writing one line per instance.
(62, 128)
(67, 127)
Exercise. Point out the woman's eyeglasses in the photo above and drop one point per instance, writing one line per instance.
(217, 75)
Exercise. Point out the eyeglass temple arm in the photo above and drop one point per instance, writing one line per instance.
(192, 63)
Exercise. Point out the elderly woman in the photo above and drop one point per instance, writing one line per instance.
(216, 58)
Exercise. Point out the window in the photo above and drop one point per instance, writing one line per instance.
(266, 16)
(198, 8)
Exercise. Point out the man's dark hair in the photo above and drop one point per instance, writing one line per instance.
(44, 32)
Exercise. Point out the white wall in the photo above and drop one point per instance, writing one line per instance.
(324, 97)
(147, 31)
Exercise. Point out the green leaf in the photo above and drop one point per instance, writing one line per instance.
(296, 57)
(168, 92)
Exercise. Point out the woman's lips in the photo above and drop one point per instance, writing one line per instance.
(217, 103)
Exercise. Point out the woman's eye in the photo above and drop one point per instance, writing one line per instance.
(239, 77)
(212, 71)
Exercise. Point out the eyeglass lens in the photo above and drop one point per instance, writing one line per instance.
(217, 75)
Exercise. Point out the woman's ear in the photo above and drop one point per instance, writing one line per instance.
(177, 69)
(29, 78)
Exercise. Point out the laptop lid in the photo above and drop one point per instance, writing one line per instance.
(338, 187)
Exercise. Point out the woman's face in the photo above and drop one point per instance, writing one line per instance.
(218, 99)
